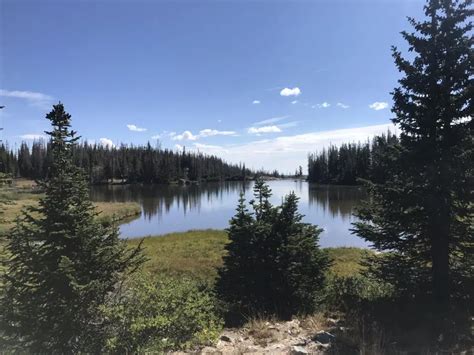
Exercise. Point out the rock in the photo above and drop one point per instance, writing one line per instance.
(323, 337)
(275, 347)
(300, 342)
(209, 350)
(225, 338)
(298, 350)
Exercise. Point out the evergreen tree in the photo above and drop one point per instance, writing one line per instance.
(273, 263)
(423, 213)
(62, 262)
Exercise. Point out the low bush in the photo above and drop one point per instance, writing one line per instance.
(345, 293)
(157, 315)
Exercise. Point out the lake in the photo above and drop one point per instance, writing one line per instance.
(171, 208)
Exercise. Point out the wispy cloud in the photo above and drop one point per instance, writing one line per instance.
(288, 124)
(264, 129)
(214, 132)
(255, 102)
(33, 136)
(156, 136)
(211, 149)
(290, 92)
(286, 152)
(294, 102)
(189, 136)
(341, 105)
(378, 105)
(324, 105)
(37, 99)
(135, 128)
(270, 121)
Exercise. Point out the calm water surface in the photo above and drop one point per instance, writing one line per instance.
(168, 209)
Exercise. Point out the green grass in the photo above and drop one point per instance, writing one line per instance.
(24, 194)
(346, 260)
(199, 253)
(194, 253)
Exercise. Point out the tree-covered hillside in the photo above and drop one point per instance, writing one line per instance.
(351, 161)
(127, 164)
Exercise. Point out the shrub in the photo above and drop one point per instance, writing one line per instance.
(160, 315)
(347, 293)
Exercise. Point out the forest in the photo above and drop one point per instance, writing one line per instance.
(123, 164)
(351, 163)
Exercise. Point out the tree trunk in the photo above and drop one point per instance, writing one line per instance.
(440, 265)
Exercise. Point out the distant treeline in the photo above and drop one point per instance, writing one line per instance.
(123, 164)
(346, 164)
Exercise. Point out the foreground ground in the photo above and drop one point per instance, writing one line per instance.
(198, 254)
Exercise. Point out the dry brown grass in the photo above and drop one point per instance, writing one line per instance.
(259, 328)
(315, 322)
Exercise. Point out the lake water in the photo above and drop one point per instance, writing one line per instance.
(168, 209)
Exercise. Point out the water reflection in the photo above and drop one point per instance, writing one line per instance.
(168, 209)
(339, 201)
(158, 200)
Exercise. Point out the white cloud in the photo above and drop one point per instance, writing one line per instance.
(156, 136)
(33, 136)
(287, 152)
(290, 92)
(179, 147)
(378, 105)
(294, 102)
(270, 120)
(134, 128)
(106, 142)
(186, 135)
(214, 132)
(341, 105)
(288, 124)
(324, 105)
(189, 136)
(37, 99)
(210, 149)
(255, 102)
(264, 129)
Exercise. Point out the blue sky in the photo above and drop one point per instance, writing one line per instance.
(263, 82)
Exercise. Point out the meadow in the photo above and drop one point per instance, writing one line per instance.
(198, 254)
(24, 193)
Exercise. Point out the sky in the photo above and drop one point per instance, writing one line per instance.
(261, 82)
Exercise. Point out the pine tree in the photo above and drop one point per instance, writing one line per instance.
(273, 264)
(62, 262)
(423, 214)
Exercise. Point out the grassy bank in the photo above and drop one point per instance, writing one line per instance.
(199, 253)
(24, 193)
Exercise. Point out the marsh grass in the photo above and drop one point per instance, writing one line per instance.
(346, 260)
(24, 193)
(198, 253)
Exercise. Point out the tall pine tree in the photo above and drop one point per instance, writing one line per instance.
(423, 214)
(62, 262)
